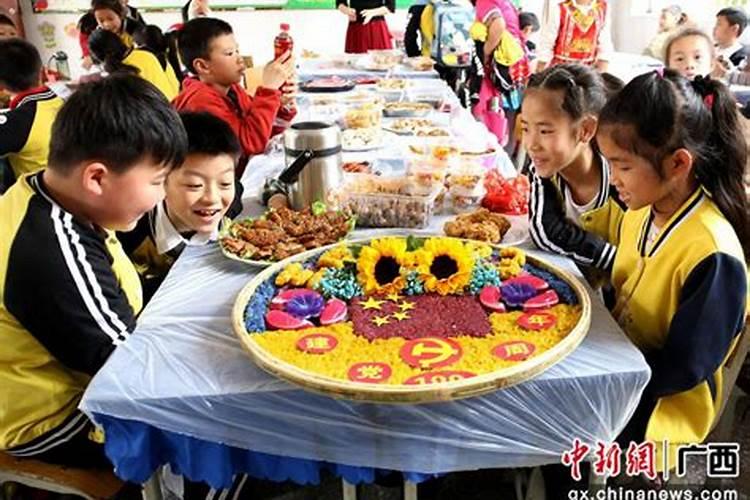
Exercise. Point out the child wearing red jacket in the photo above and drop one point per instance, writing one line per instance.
(209, 51)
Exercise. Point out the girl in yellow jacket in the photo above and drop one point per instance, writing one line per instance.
(677, 155)
(109, 50)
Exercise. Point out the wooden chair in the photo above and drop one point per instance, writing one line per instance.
(90, 484)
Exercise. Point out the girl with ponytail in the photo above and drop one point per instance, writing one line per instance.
(108, 50)
(151, 39)
(677, 156)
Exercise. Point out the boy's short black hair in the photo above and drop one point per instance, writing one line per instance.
(118, 121)
(195, 37)
(20, 65)
(7, 21)
(209, 135)
(528, 19)
(734, 16)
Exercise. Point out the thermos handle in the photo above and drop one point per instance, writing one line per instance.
(290, 174)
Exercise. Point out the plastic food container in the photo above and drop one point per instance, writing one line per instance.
(464, 201)
(386, 57)
(366, 116)
(423, 178)
(389, 210)
(466, 178)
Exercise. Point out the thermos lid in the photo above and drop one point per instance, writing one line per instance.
(316, 136)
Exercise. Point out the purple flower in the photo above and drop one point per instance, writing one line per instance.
(305, 305)
(515, 294)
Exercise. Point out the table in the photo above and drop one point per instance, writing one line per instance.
(181, 391)
(339, 66)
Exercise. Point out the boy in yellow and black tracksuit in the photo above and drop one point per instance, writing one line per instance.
(25, 127)
(590, 238)
(681, 299)
(68, 293)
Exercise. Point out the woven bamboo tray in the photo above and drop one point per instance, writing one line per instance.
(382, 393)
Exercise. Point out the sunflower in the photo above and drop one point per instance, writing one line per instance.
(380, 266)
(445, 264)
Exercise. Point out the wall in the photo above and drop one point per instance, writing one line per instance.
(322, 31)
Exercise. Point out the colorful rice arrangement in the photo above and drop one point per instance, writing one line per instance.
(410, 319)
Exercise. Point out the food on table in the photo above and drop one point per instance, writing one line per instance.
(508, 196)
(372, 184)
(392, 84)
(409, 126)
(357, 167)
(431, 132)
(424, 177)
(388, 58)
(480, 224)
(406, 108)
(386, 202)
(409, 311)
(331, 83)
(463, 201)
(366, 80)
(283, 232)
(309, 54)
(420, 63)
(466, 177)
(357, 139)
(365, 116)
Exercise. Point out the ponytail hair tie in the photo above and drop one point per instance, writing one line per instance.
(660, 72)
(708, 100)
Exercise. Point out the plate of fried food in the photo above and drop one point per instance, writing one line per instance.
(281, 233)
(491, 227)
(406, 109)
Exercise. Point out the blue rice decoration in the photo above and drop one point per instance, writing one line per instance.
(484, 274)
(255, 312)
(340, 283)
(564, 291)
(414, 284)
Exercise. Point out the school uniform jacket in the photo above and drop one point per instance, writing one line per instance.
(150, 69)
(25, 129)
(681, 300)
(254, 119)
(154, 244)
(592, 244)
(68, 297)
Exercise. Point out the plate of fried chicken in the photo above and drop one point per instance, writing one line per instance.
(281, 233)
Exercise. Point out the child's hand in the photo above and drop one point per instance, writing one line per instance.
(289, 95)
(277, 72)
(86, 62)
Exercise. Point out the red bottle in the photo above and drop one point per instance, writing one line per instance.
(283, 42)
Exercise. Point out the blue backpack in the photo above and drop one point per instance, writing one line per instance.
(452, 45)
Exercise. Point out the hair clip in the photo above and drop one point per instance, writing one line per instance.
(708, 100)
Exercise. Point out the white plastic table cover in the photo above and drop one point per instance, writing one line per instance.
(183, 370)
(327, 66)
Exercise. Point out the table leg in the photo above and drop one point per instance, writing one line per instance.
(410, 490)
(152, 487)
(349, 490)
(596, 481)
